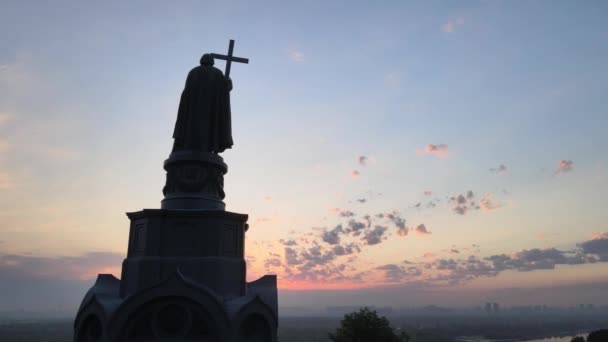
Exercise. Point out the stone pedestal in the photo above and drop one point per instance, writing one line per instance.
(184, 278)
(195, 180)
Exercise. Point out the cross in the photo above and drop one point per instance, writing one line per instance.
(230, 58)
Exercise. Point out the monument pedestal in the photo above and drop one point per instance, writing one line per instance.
(183, 280)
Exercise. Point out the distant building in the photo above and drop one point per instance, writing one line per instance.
(495, 307)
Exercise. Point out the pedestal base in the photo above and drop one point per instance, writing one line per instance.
(183, 280)
(176, 309)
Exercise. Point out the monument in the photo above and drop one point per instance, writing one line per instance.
(184, 278)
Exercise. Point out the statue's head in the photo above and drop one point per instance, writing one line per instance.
(207, 59)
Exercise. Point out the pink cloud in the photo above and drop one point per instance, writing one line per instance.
(564, 166)
(355, 174)
(451, 25)
(362, 160)
(267, 198)
(440, 150)
(421, 229)
(488, 204)
(600, 236)
(428, 193)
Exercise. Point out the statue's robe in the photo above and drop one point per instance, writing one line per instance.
(203, 118)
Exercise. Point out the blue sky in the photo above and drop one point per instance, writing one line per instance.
(89, 94)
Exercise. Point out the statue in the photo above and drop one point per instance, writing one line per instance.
(195, 170)
(203, 118)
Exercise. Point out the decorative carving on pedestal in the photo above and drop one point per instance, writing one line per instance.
(195, 180)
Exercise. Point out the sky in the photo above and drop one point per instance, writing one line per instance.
(402, 153)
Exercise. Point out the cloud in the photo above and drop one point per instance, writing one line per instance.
(428, 193)
(500, 170)
(267, 198)
(537, 259)
(355, 174)
(272, 262)
(487, 203)
(316, 256)
(440, 151)
(296, 56)
(456, 271)
(597, 246)
(395, 273)
(541, 259)
(396, 219)
(361, 200)
(332, 237)
(356, 227)
(82, 267)
(291, 257)
(374, 236)
(346, 213)
(362, 160)
(462, 203)
(288, 242)
(348, 249)
(451, 25)
(421, 229)
(564, 166)
(600, 236)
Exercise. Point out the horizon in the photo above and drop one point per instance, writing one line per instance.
(411, 153)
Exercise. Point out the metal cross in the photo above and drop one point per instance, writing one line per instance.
(230, 58)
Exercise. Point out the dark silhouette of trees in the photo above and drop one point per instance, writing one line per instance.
(366, 326)
(578, 339)
(598, 336)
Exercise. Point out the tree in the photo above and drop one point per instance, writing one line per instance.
(598, 336)
(366, 326)
(578, 339)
